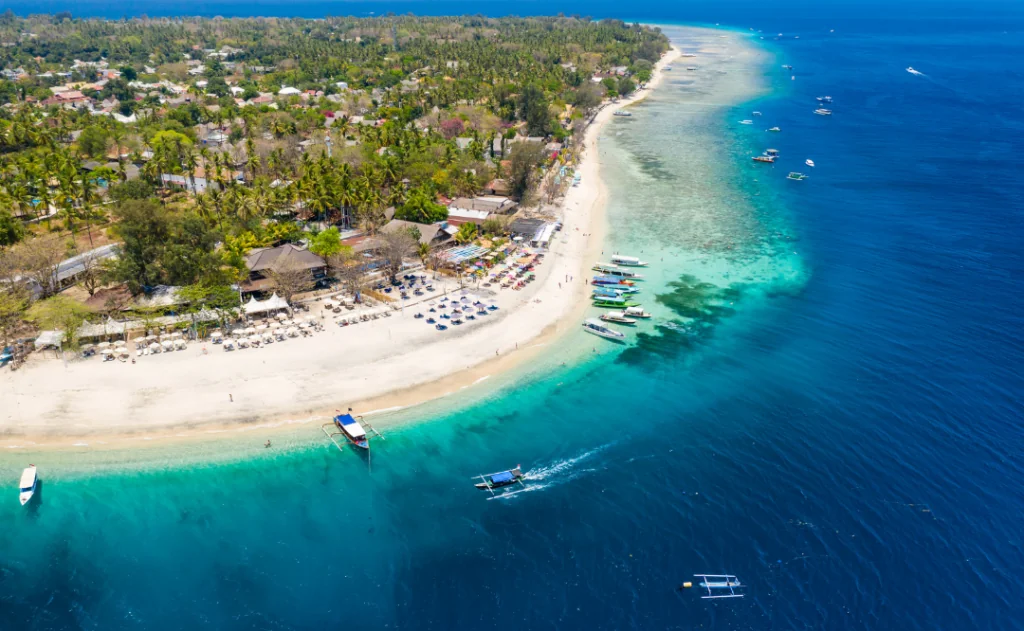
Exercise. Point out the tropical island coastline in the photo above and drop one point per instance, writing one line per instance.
(388, 364)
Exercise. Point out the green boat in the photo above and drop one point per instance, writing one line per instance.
(796, 176)
(614, 303)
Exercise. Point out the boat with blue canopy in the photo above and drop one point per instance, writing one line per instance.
(492, 481)
(352, 428)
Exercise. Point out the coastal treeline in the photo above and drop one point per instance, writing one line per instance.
(183, 144)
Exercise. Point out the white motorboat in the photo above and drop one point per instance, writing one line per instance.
(914, 72)
(809, 162)
(591, 325)
(28, 484)
(746, 121)
(618, 317)
(628, 261)
(636, 312)
(757, 113)
(821, 111)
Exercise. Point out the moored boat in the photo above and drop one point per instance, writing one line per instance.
(614, 302)
(809, 162)
(611, 280)
(590, 325)
(607, 291)
(768, 159)
(352, 430)
(28, 483)
(614, 270)
(618, 317)
(621, 113)
(636, 312)
(793, 175)
(628, 261)
(821, 111)
(775, 129)
(616, 289)
(824, 99)
(491, 481)
(771, 153)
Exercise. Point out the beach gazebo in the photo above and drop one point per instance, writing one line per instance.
(272, 304)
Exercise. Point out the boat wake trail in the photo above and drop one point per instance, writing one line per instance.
(556, 470)
(553, 474)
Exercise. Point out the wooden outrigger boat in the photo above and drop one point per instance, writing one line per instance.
(351, 427)
(627, 261)
(614, 302)
(612, 292)
(611, 280)
(721, 583)
(618, 317)
(492, 481)
(614, 270)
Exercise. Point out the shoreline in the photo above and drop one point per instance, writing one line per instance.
(583, 210)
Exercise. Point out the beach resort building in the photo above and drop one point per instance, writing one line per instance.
(262, 262)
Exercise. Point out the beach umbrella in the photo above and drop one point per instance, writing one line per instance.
(176, 335)
(216, 335)
(275, 325)
(103, 345)
(167, 344)
(243, 342)
(254, 340)
(268, 338)
(293, 332)
(281, 316)
(250, 331)
(262, 327)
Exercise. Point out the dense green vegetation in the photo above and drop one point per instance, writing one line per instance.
(191, 141)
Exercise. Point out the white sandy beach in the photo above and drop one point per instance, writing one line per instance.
(387, 363)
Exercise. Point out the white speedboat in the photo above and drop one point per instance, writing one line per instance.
(618, 317)
(628, 261)
(821, 111)
(590, 325)
(28, 484)
(746, 121)
(809, 162)
(636, 312)
(914, 72)
(757, 113)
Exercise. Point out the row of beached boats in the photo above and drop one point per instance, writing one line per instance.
(615, 287)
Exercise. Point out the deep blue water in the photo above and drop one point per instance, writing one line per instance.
(851, 448)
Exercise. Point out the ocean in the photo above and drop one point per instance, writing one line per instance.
(827, 404)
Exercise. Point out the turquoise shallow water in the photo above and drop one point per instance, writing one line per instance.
(827, 406)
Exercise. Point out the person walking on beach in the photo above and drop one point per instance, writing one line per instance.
(231, 398)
